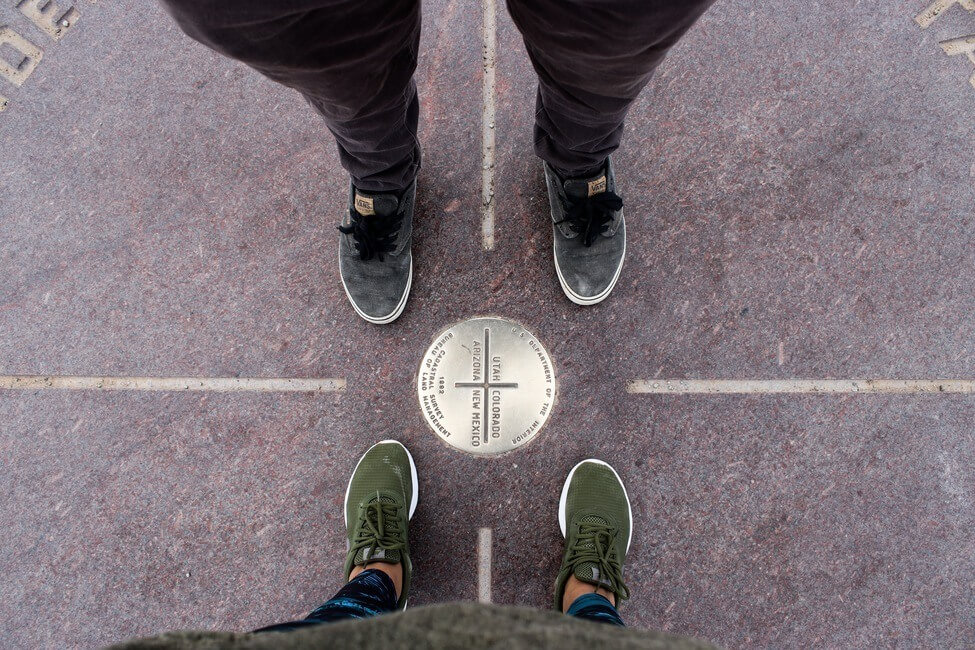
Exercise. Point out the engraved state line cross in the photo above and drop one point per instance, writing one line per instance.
(486, 384)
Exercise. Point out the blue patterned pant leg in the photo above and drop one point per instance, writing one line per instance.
(369, 594)
(597, 608)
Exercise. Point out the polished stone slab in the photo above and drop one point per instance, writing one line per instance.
(799, 192)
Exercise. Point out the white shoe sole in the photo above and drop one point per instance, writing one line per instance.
(591, 300)
(393, 315)
(413, 501)
(416, 490)
(565, 492)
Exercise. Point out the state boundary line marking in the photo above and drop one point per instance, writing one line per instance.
(489, 56)
(207, 384)
(803, 386)
(484, 553)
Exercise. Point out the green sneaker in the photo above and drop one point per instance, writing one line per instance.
(379, 503)
(597, 524)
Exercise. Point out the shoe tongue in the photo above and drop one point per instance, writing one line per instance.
(589, 572)
(579, 188)
(367, 554)
(368, 204)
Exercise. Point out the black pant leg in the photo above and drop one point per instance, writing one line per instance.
(353, 60)
(593, 57)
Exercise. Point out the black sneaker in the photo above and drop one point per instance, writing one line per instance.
(589, 233)
(375, 259)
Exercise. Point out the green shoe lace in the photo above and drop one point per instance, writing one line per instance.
(379, 528)
(593, 558)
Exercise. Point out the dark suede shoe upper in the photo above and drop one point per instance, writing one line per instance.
(375, 258)
(589, 233)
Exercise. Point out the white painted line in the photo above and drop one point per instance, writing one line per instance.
(484, 553)
(778, 386)
(961, 45)
(489, 55)
(211, 384)
(936, 8)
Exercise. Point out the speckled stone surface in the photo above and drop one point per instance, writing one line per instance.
(799, 186)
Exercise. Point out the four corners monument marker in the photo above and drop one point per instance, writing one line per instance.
(486, 386)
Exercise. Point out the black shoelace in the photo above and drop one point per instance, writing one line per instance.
(590, 216)
(373, 235)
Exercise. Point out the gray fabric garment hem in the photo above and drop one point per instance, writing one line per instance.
(466, 626)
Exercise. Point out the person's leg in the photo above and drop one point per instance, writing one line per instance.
(596, 608)
(593, 57)
(379, 501)
(370, 593)
(597, 523)
(353, 60)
